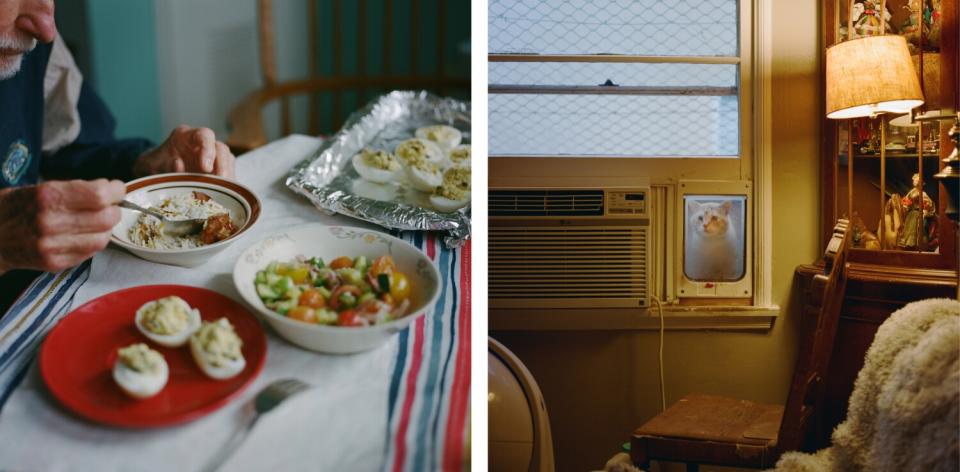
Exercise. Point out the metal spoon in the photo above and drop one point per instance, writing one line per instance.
(170, 227)
(266, 400)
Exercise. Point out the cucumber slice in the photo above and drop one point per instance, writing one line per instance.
(361, 264)
(284, 285)
(351, 276)
(272, 278)
(365, 298)
(266, 292)
(325, 316)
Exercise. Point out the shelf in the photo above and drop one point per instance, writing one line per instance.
(892, 155)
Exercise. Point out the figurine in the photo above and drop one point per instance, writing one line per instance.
(892, 221)
(919, 221)
(865, 15)
(862, 237)
(930, 12)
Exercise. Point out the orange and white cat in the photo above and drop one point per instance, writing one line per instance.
(712, 250)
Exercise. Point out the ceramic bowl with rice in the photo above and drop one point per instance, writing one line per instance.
(229, 208)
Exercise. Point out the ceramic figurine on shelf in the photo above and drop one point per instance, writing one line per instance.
(892, 222)
(919, 230)
(862, 237)
(866, 19)
(929, 12)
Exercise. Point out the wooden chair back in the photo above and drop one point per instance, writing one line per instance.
(817, 332)
(245, 120)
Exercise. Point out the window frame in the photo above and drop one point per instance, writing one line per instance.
(753, 165)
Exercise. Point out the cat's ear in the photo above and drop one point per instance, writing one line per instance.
(693, 206)
(725, 207)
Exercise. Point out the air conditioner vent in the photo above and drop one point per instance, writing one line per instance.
(545, 203)
(589, 266)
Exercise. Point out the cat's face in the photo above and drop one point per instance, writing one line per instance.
(709, 219)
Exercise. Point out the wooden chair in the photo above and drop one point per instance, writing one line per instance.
(245, 119)
(709, 429)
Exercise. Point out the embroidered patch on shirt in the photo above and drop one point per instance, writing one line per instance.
(16, 162)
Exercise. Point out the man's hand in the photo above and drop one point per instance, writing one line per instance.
(56, 225)
(188, 150)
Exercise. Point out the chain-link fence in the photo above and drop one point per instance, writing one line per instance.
(568, 107)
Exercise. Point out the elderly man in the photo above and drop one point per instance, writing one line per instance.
(54, 126)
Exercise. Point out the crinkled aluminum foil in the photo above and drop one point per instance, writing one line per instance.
(330, 182)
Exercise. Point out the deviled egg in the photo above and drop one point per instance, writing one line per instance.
(168, 321)
(447, 137)
(377, 166)
(460, 156)
(216, 349)
(140, 371)
(415, 149)
(424, 175)
(454, 192)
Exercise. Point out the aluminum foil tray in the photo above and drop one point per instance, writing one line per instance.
(328, 179)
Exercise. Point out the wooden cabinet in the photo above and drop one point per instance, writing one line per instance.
(880, 281)
(868, 164)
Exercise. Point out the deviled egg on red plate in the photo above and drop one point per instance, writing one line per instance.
(140, 371)
(454, 192)
(377, 166)
(216, 348)
(424, 175)
(415, 149)
(447, 137)
(168, 321)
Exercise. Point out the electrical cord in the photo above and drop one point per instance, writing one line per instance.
(663, 391)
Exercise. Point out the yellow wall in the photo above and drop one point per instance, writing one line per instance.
(599, 385)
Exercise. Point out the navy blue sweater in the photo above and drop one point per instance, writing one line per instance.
(95, 153)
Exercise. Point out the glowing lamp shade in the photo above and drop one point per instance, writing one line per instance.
(871, 75)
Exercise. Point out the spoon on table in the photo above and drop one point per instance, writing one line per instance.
(167, 226)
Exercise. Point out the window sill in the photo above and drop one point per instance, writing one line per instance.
(717, 318)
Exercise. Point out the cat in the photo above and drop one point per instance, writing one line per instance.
(712, 250)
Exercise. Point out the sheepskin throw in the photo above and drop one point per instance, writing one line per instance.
(903, 413)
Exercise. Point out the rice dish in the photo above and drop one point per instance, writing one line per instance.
(146, 231)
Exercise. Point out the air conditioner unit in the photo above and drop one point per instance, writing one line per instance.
(569, 247)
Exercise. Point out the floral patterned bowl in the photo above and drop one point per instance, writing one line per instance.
(329, 242)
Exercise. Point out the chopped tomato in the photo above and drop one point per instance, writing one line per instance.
(399, 286)
(312, 298)
(303, 313)
(383, 265)
(348, 318)
(341, 262)
(335, 296)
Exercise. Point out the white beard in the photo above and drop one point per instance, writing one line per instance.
(10, 65)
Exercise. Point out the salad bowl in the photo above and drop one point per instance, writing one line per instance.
(328, 243)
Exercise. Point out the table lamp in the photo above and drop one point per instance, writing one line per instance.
(870, 76)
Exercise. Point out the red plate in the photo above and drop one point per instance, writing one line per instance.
(76, 359)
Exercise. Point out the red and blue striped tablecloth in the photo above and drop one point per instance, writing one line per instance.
(428, 402)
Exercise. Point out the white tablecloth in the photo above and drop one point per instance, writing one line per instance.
(341, 424)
